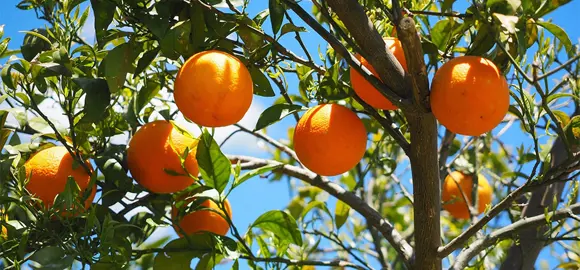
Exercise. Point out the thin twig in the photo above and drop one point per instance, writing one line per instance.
(563, 65)
(271, 141)
(373, 217)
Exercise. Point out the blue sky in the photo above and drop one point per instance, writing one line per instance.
(258, 195)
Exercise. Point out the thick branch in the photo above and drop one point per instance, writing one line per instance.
(371, 215)
(385, 89)
(508, 231)
(426, 189)
(362, 29)
(417, 72)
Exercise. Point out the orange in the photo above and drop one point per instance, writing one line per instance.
(203, 220)
(48, 171)
(330, 139)
(469, 95)
(364, 89)
(213, 89)
(453, 200)
(154, 157)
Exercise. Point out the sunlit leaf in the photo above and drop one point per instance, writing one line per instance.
(281, 224)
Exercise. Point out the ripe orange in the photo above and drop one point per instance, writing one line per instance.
(48, 171)
(154, 157)
(453, 200)
(330, 139)
(203, 220)
(469, 95)
(365, 90)
(213, 89)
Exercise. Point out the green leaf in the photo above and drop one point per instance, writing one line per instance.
(118, 62)
(34, 43)
(103, 11)
(276, 113)
(277, 10)
(145, 94)
(331, 86)
(157, 24)
(315, 204)
(507, 7)
(214, 166)
(176, 42)
(51, 258)
(182, 259)
(341, 213)
(289, 27)
(251, 39)
(483, 41)
(209, 261)
(198, 28)
(281, 224)
(3, 46)
(507, 22)
(548, 6)
(262, 86)
(39, 124)
(145, 61)
(4, 135)
(442, 32)
(560, 34)
(6, 75)
(553, 97)
(256, 172)
(562, 117)
(572, 131)
(3, 117)
(224, 3)
(97, 98)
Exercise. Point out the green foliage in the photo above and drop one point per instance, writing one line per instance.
(109, 89)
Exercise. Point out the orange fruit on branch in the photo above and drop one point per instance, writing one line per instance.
(203, 220)
(330, 139)
(469, 95)
(213, 89)
(48, 171)
(453, 200)
(364, 89)
(154, 159)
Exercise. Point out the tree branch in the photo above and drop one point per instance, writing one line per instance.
(371, 215)
(271, 141)
(338, 263)
(508, 231)
(385, 89)
(362, 29)
(552, 176)
(417, 71)
(524, 254)
(563, 65)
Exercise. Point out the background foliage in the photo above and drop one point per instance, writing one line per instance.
(106, 89)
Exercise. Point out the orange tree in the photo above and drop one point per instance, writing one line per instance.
(473, 163)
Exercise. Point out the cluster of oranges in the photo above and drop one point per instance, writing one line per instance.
(212, 89)
(469, 96)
